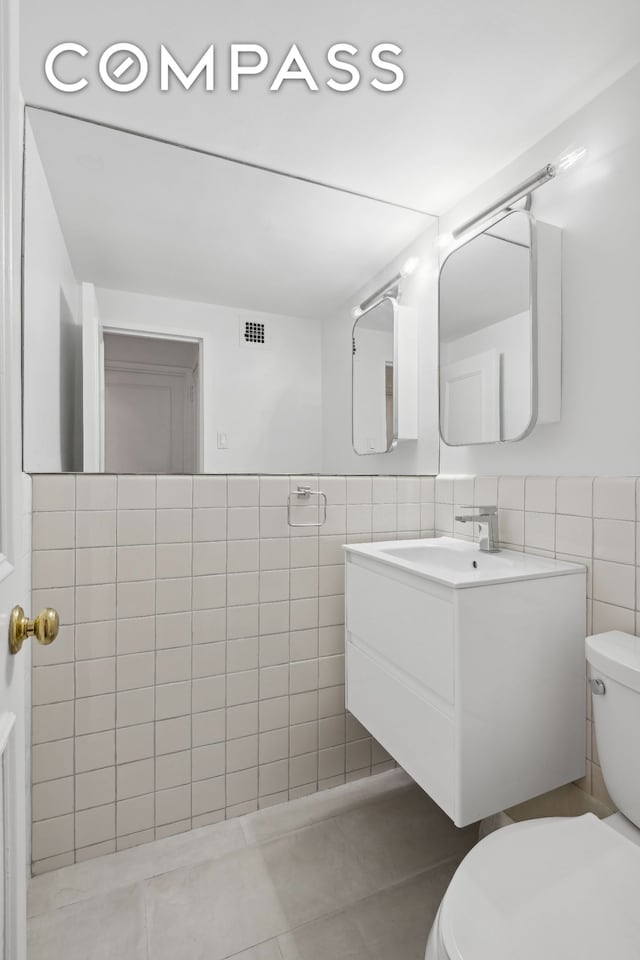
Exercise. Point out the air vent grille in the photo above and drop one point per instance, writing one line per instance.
(254, 332)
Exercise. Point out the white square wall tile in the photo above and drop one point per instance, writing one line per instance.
(136, 527)
(511, 493)
(135, 635)
(173, 596)
(94, 677)
(174, 492)
(53, 721)
(135, 814)
(574, 535)
(136, 562)
(575, 496)
(52, 760)
(95, 565)
(485, 491)
(614, 540)
(96, 602)
(242, 588)
(243, 555)
(211, 558)
(210, 524)
(540, 530)
(274, 491)
(54, 530)
(53, 568)
(359, 490)
(54, 493)
(385, 490)
(95, 788)
(540, 494)
(209, 491)
(443, 492)
(243, 491)
(135, 670)
(614, 498)
(51, 684)
(136, 599)
(408, 489)
(614, 583)
(173, 526)
(173, 805)
(95, 825)
(96, 492)
(173, 560)
(463, 490)
(335, 489)
(96, 528)
(242, 523)
(136, 493)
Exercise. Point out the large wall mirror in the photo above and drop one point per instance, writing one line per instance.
(487, 335)
(179, 307)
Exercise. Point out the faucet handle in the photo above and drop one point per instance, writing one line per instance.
(489, 509)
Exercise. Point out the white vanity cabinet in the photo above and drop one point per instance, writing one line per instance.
(477, 689)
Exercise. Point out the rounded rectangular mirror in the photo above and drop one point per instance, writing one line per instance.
(375, 381)
(487, 355)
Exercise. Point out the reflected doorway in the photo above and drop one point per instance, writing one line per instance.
(151, 404)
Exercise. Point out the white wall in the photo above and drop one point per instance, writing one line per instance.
(597, 204)
(410, 456)
(266, 399)
(512, 339)
(52, 334)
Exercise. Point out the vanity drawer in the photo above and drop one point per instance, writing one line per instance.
(418, 735)
(407, 626)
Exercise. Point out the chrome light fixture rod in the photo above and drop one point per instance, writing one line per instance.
(546, 173)
(387, 287)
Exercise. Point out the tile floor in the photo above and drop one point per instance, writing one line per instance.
(353, 873)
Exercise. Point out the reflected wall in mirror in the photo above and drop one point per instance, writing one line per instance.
(177, 305)
(487, 335)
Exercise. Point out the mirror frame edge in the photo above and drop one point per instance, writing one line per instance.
(394, 440)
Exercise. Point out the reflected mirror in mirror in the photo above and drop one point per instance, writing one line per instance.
(486, 335)
(176, 305)
(375, 421)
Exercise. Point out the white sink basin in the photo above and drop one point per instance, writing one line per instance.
(460, 563)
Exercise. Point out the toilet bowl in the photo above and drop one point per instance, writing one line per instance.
(559, 888)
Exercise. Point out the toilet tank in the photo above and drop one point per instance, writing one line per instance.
(615, 683)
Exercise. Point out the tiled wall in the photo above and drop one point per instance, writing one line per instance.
(199, 670)
(594, 521)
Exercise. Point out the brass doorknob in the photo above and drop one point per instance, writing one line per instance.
(44, 628)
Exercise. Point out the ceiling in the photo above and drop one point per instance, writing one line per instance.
(484, 81)
(153, 218)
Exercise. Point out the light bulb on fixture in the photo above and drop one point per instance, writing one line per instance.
(409, 266)
(444, 240)
(568, 160)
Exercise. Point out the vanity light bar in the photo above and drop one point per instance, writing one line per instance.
(548, 172)
(408, 267)
(542, 176)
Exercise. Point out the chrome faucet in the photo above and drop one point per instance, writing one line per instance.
(485, 516)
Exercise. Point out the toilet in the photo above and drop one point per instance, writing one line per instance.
(561, 887)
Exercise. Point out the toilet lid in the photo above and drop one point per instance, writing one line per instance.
(551, 889)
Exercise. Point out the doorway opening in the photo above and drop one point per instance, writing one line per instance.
(151, 404)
